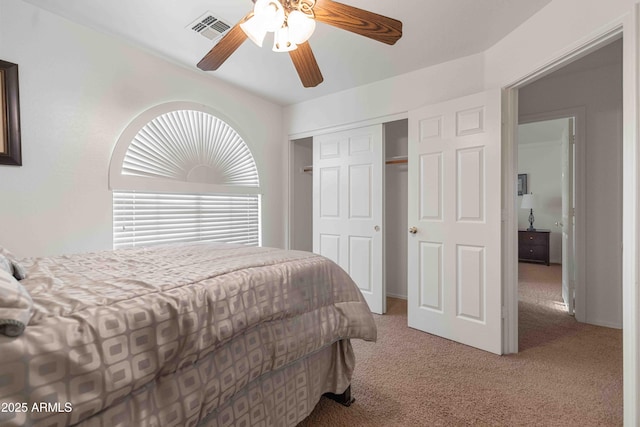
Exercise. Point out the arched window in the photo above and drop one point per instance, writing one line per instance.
(179, 173)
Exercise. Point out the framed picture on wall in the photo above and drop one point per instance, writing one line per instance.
(10, 146)
(522, 184)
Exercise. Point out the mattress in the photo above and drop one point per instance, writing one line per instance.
(186, 335)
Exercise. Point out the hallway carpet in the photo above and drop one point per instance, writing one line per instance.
(566, 374)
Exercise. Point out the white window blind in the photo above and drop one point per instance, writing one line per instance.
(145, 219)
(181, 174)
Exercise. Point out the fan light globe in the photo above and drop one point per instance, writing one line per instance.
(271, 12)
(255, 29)
(268, 15)
(301, 26)
(282, 41)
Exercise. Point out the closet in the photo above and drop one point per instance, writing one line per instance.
(395, 184)
(442, 208)
(301, 196)
(394, 229)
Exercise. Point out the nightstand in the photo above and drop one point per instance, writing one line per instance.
(533, 246)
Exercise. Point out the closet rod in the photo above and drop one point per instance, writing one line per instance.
(397, 161)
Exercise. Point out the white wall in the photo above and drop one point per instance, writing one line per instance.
(387, 97)
(78, 91)
(557, 29)
(543, 38)
(542, 162)
(396, 209)
(599, 91)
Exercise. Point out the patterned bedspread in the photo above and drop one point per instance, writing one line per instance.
(181, 335)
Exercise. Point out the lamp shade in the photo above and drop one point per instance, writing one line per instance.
(256, 29)
(300, 26)
(528, 201)
(270, 12)
(268, 15)
(282, 40)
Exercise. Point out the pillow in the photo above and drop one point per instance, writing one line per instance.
(16, 305)
(5, 264)
(10, 264)
(18, 270)
(6, 253)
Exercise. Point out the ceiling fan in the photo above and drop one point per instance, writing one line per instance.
(293, 22)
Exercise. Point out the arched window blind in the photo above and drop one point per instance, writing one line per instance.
(191, 146)
(207, 161)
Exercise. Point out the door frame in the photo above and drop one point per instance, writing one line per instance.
(626, 26)
(579, 173)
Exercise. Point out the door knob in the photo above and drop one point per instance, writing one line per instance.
(559, 224)
(377, 228)
(413, 230)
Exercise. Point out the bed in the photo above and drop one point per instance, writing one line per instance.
(186, 335)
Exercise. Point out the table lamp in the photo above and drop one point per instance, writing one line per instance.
(528, 202)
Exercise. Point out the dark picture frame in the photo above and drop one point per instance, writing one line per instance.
(10, 145)
(522, 184)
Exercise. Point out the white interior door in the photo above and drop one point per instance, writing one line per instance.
(348, 178)
(454, 286)
(568, 222)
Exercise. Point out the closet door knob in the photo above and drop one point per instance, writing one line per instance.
(413, 230)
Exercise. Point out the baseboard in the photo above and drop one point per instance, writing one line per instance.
(603, 324)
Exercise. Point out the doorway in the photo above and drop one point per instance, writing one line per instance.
(546, 290)
(546, 159)
(590, 89)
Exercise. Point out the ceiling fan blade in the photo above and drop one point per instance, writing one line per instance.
(224, 48)
(306, 65)
(377, 27)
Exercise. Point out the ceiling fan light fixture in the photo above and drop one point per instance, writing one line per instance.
(301, 26)
(272, 15)
(282, 41)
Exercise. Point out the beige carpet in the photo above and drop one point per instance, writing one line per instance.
(566, 374)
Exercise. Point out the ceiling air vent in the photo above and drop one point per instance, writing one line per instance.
(209, 26)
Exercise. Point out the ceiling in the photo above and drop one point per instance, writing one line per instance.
(434, 31)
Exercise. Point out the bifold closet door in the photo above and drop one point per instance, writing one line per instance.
(454, 252)
(348, 176)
